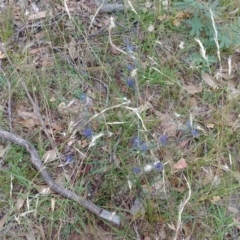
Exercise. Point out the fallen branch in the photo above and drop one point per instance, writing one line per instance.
(112, 7)
(7, 136)
(103, 6)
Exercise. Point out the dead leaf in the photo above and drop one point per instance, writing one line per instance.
(210, 125)
(37, 50)
(105, 148)
(60, 180)
(114, 51)
(41, 230)
(231, 118)
(134, 73)
(49, 156)
(75, 107)
(181, 164)
(193, 103)
(183, 143)
(215, 199)
(147, 238)
(30, 123)
(46, 61)
(3, 220)
(3, 150)
(28, 45)
(207, 178)
(176, 22)
(236, 222)
(83, 143)
(2, 55)
(26, 115)
(178, 185)
(192, 89)
(52, 99)
(38, 15)
(20, 203)
(187, 231)
(72, 49)
(233, 209)
(43, 189)
(170, 128)
(181, 16)
(233, 92)
(76, 236)
(57, 126)
(39, 35)
(169, 124)
(209, 80)
(225, 75)
(137, 208)
(159, 189)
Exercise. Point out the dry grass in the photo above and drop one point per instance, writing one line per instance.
(132, 113)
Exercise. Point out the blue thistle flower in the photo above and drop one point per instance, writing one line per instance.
(195, 132)
(137, 141)
(136, 170)
(143, 147)
(158, 166)
(87, 132)
(163, 140)
(130, 67)
(83, 97)
(69, 159)
(192, 129)
(139, 144)
(130, 83)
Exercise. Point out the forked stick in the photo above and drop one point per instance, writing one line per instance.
(7, 136)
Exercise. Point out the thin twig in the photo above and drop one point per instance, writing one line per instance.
(181, 208)
(7, 136)
(37, 111)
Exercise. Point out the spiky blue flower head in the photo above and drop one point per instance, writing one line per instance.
(143, 147)
(130, 67)
(130, 83)
(87, 132)
(137, 141)
(69, 159)
(136, 170)
(192, 128)
(195, 132)
(163, 140)
(139, 144)
(158, 166)
(83, 97)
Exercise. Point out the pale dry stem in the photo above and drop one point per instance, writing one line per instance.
(181, 208)
(216, 39)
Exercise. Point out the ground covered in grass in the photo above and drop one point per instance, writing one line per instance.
(132, 105)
